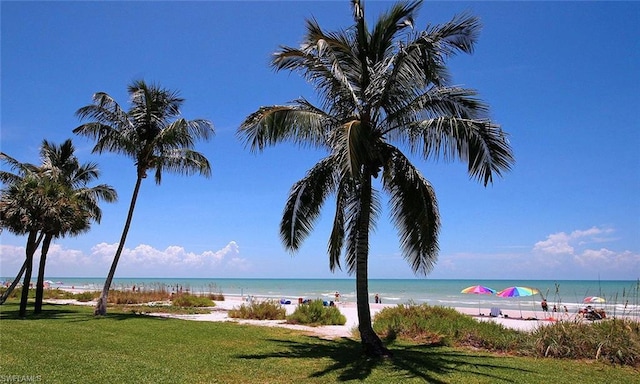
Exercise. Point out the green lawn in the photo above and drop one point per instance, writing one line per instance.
(66, 344)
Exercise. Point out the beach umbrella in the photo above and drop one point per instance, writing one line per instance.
(517, 292)
(593, 299)
(479, 290)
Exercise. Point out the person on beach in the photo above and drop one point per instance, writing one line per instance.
(337, 296)
(377, 298)
(545, 307)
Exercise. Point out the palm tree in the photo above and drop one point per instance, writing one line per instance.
(379, 89)
(21, 212)
(22, 206)
(153, 134)
(77, 204)
(47, 202)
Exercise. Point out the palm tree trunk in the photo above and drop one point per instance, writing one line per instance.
(32, 245)
(7, 293)
(371, 343)
(40, 283)
(15, 282)
(101, 306)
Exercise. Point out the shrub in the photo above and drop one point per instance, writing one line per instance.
(616, 341)
(189, 300)
(14, 294)
(57, 293)
(437, 325)
(264, 310)
(86, 296)
(216, 296)
(315, 313)
(137, 297)
(214, 293)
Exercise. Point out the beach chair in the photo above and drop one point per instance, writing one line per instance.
(495, 312)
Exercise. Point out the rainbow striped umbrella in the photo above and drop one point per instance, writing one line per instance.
(593, 299)
(479, 290)
(517, 292)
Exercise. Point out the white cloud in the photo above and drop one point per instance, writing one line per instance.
(175, 259)
(556, 244)
(571, 251)
(562, 255)
(563, 243)
(11, 257)
(143, 260)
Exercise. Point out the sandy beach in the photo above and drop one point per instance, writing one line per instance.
(522, 320)
(510, 319)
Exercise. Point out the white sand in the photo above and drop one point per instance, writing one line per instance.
(515, 319)
(349, 310)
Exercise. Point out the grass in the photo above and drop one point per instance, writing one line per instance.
(67, 344)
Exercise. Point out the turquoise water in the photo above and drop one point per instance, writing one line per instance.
(621, 296)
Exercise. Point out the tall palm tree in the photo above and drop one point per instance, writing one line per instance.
(77, 204)
(379, 90)
(153, 134)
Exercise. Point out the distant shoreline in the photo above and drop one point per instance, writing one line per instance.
(622, 296)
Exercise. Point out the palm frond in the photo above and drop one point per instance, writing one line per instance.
(482, 144)
(299, 123)
(414, 211)
(22, 169)
(399, 17)
(328, 62)
(180, 161)
(104, 110)
(304, 202)
(337, 237)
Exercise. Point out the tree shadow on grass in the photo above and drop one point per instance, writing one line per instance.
(11, 311)
(421, 361)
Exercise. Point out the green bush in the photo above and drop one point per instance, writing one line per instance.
(616, 341)
(137, 297)
(216, 296)
(86, 296)
(14, 294)
(315, 313)
(58, 293)
(188, 300)
(264, 310)
(437, 325)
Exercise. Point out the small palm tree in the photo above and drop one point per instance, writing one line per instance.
(77, 204)
(380, 89)
(23, 204)
(153, 134)
(47, 202)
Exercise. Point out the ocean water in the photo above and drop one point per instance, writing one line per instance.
(622, 296)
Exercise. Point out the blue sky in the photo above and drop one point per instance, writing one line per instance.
(561, 78)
